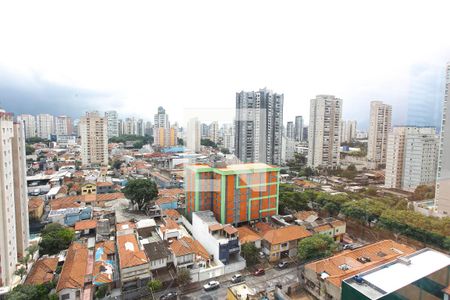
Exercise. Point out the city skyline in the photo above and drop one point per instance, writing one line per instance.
(174, 64)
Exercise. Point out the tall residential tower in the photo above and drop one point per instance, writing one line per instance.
(112, 121)
(258, 126)
(324, 131)
(443, 173)
(379, 128)
(13, 197)
(411, 157)
(94, 139)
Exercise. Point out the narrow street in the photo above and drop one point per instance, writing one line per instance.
(269, 280)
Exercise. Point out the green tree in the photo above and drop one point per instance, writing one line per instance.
(315, 247)
(208, 143)
(154, 285)
(180, 141)
(116, 165)
(250, 253)
(29, 150)
(25, 260)
(141, 192)
(184, 277)
(35, 140)
(225, 150)
(32, 250)
(371, 191)
(22, 271)
(101, 291)
(55, 238)
(138, 145)
(423, 192)
(53, 297)
(307, 172)
(297, 163)
(31, 292)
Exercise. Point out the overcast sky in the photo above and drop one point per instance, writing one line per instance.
(68, 57)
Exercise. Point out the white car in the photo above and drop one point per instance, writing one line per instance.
(237, 278)
(212, 285)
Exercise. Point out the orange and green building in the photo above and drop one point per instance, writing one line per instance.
(235, 193)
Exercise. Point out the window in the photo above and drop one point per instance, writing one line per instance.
(65, 296)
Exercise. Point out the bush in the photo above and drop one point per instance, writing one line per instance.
(315, 247)
(55, 238)
(155, 285)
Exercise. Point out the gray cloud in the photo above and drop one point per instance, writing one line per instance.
(33, 95)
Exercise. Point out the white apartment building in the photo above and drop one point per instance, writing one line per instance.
(214, 132)
(29, 122)
(193, 135)
(63, 125)
(443, 174)
(112, 120)
(379, 128)
(45, 125)
(228, 138)
(324, 131)
(140, 127)
(348, 131)
(411, 157)
(130, 126)
(13, 197)
(94, 139)
(222, 241)
(288, 147)
(395, 157)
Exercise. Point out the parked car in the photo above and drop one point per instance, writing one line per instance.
(259, 272)
(282, 264)
(212, 285)
(169, 296)
(237, 278)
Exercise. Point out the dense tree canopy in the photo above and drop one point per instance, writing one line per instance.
(141, 192)
(35, 140)
(154, 285)
(423, 192)
(315, 247)
(430, 230)
(388, 211)
(208, 143)
(55, 238)
(184, 277)
(132, 138)
(31, 292)
(250, 253)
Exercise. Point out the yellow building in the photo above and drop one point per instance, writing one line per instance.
(89, 189)
(35, 208)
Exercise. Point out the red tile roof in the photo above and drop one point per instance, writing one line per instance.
(104, 183)
(246, 235)
(74, 268)
(85, 224)
(130, 255)
(262, 228)
(125, 226)
(42, 271)
(286, 234)
(171, 213)
(186, 246)
(230, 229)
(34, 203)
(379, 253)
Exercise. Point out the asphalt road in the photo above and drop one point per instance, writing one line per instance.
(270, 279)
